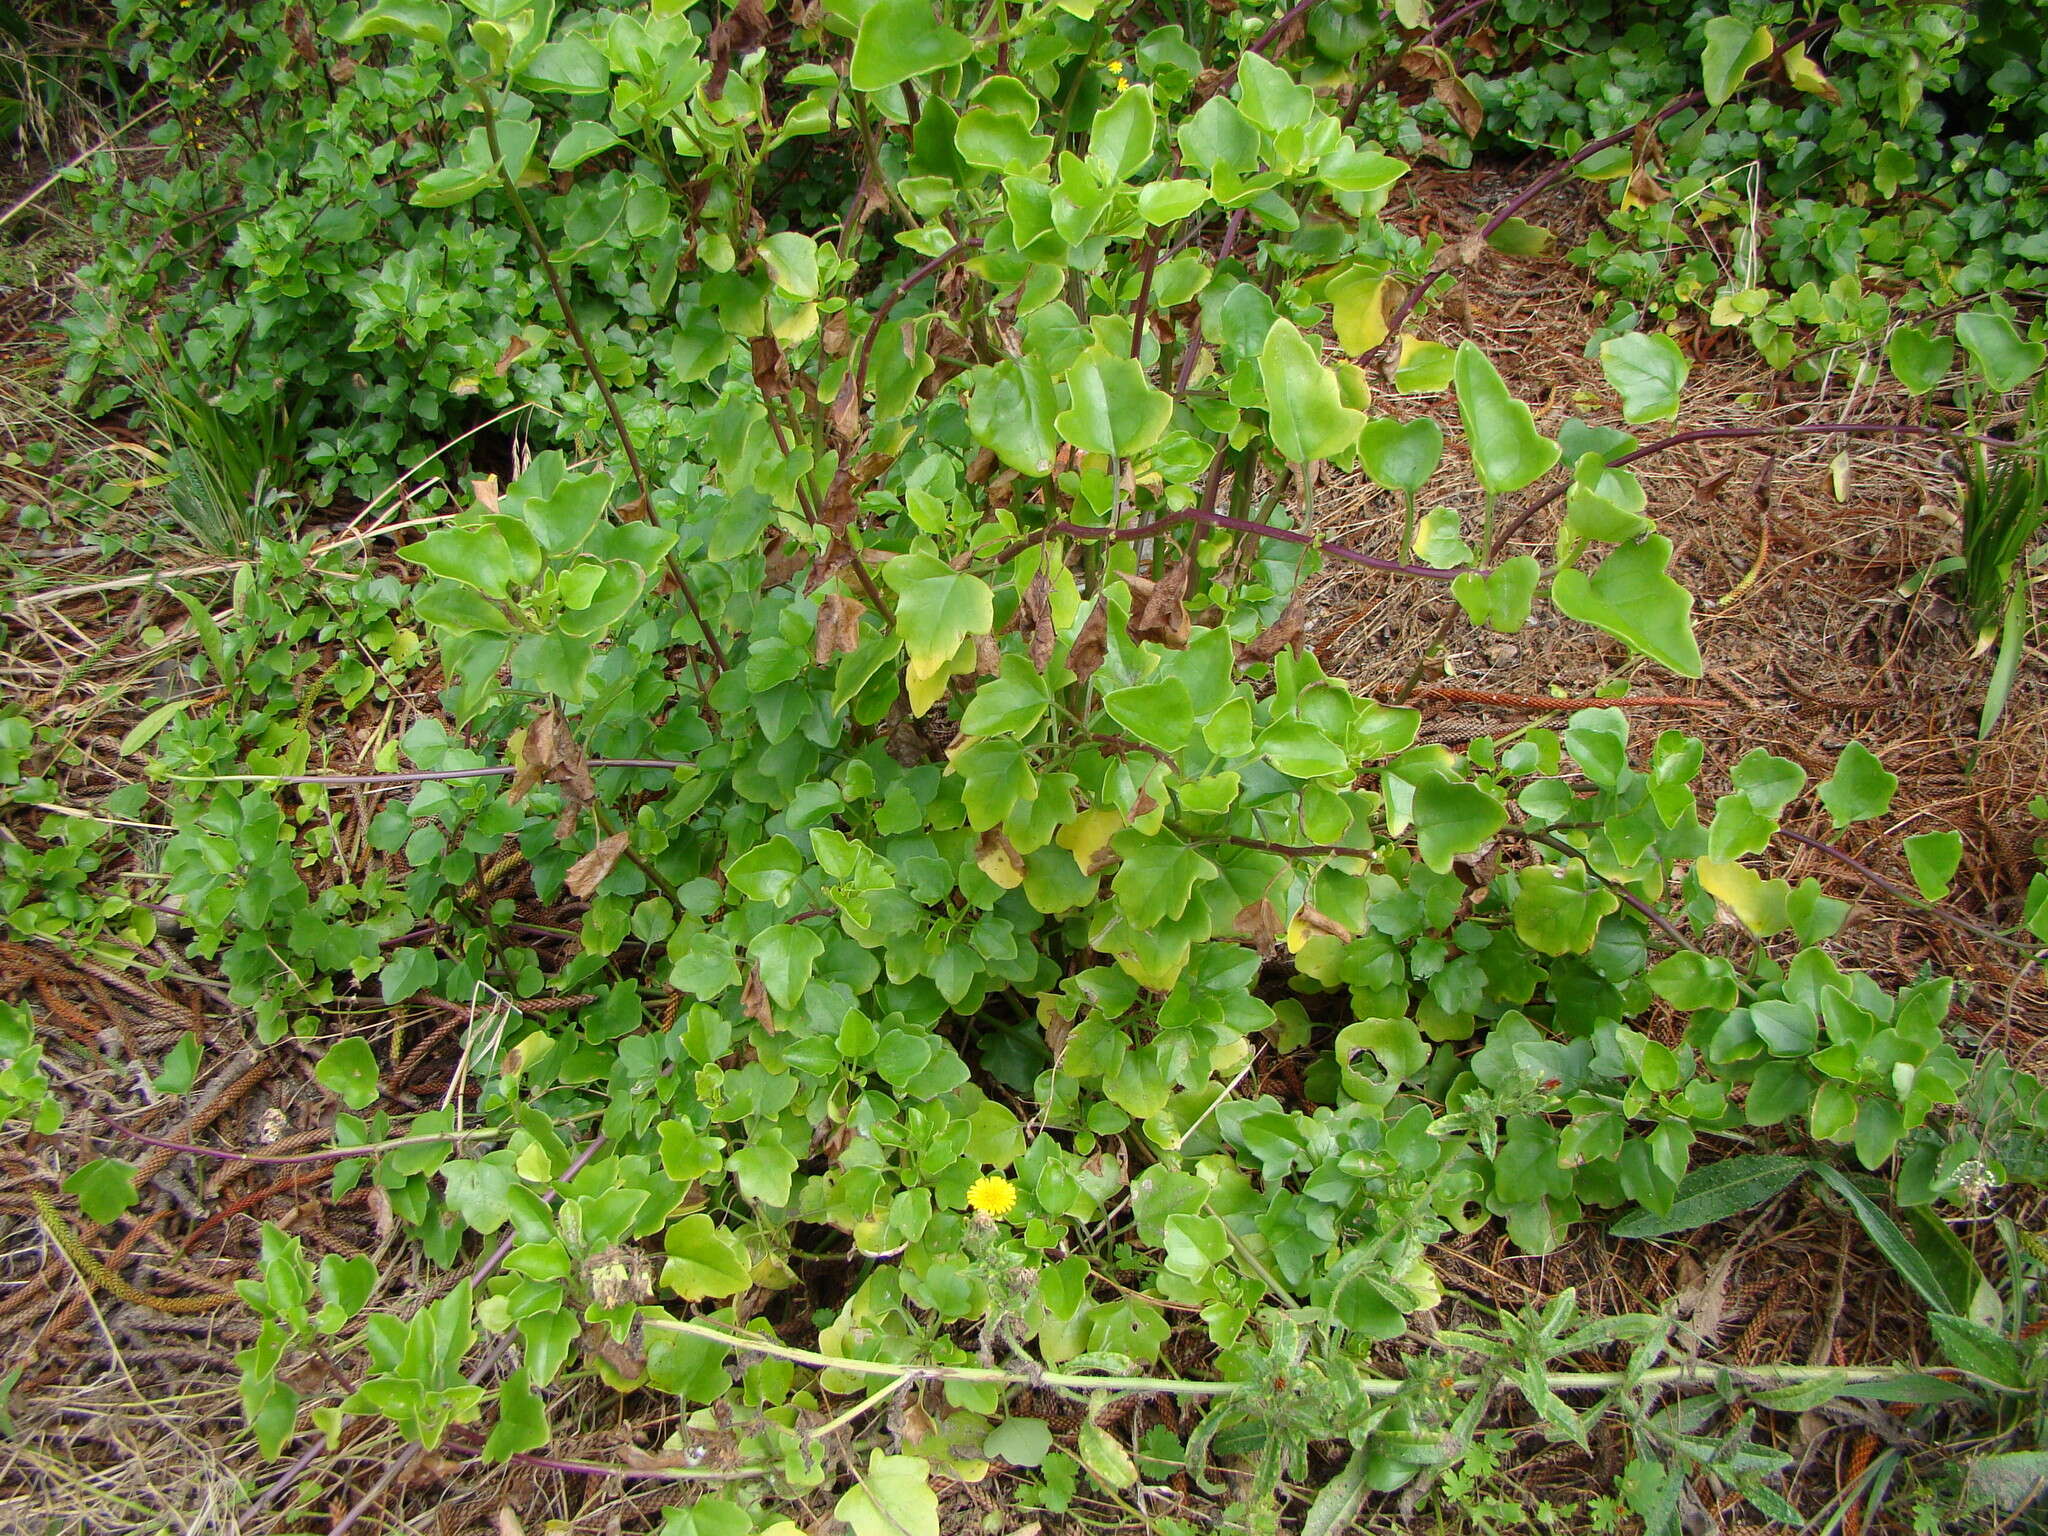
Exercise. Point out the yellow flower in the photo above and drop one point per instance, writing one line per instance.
(992, 1196)
(1115, 66)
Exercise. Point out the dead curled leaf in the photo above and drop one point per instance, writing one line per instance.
(1091, 645)
(754, 1000)
(1285, 631)
(1034, 618)
(743, 29)
(838, 627)
(1159, 609)
(548, 754)
(588, 872)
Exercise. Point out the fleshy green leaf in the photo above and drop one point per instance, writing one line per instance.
(1401, 455)
(1507, 450)
(1304, 399)
(2005, 358)
(1934, 858)
(104, 1189)
(1732, 49)
(349, 1072)
(1861, 787)
(1113, 407)
(1630, 597)
(899, 40)
(1648, 371)
(892, 1498)
(1453, 818)
(1919, 358)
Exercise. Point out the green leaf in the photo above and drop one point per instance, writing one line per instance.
(1019, 1441)
(1919, 358)
(1732, 49)
(787, 954)
(1121, 138)
(937, 608)
(1011, 412)
(1630, 597)
(704, 1260)
(1401, 455)
(2006, 1480)
(1160, 714)
(766, 871)
(1424, 367)
(580, 143)
(1714, 1193)
(426, 21)
(1648, 371)
(1009, 704)
(104, 1189)
(180, 1066)
(1910, 1263)
(568, 66)
(1934, 858)
(1861, 787)
(1304, 399)
(1099, 1451)
(792, 262)
(349, 1072)
(1112, 407)
(522, 1420)
(151, 726)
(1500, 599)
(893, 1497)
(2004, 357)
(1169, 202)
(1690, 981)
(476, 557)
(1518, 237)
(1977, 1349)
(1507, 450)
(1556, 913)
(1453, 818)
(899, 40)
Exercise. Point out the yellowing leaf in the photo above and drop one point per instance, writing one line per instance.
(1087, 835)
(1358, 306)
(1802, 74)
(997, 859)
(1758, 904)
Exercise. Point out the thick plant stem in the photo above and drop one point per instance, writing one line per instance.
(604, 388)
(1762, 1376)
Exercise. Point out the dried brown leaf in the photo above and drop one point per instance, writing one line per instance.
(770, 367)
(515, 349)
(754, 1001)
(1259, 923)
(1283, 632)
(1091, 645)
(588, 872)
(838, 627)
(743, 29)
(1034, 618)
(1159, 609)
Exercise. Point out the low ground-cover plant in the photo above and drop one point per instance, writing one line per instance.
(960, 878)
